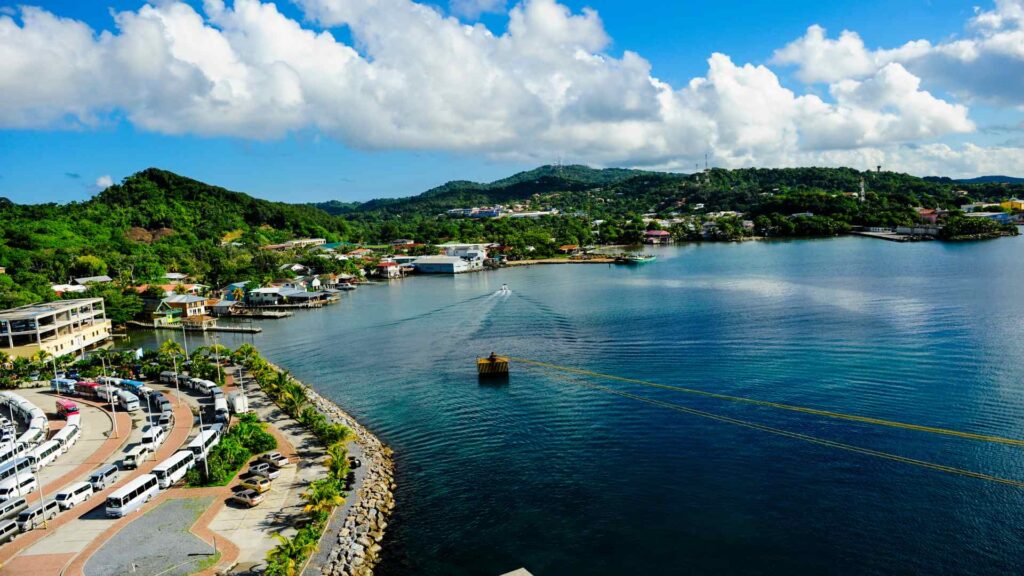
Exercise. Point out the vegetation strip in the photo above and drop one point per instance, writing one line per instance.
(359, 539)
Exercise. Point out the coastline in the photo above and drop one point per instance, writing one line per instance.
(351, 543)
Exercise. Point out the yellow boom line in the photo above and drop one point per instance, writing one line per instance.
(781, 406)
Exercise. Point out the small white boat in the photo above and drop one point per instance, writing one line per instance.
(504, 289)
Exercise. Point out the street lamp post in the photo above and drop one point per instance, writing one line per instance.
(110, 397)
(177, 385)
(206, 464)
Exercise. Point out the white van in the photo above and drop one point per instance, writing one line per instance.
(73, 495)
(34, 516)
(152, 436)
(8, 530)
(11, 508)
(13, 488)
(136, 456)
(44, 454)
(103, 477)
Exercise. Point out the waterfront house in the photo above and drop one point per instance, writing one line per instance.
(268, 296)
(222, 308)
(235, 291)
(389, 269)
(57, 328)
(657, 237)
(188, 305)
(569, 249)
(929, 215)
(93, 280)
(360, 252)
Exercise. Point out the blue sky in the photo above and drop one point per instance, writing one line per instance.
(57, 150)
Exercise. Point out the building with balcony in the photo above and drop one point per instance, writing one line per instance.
(58, 328)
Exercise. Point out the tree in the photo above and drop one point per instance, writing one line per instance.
(89, 265)
(337, 460)
(322, 496)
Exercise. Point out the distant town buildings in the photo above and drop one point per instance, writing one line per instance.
(293, 244)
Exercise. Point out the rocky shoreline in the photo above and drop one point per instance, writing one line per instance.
(356, 539)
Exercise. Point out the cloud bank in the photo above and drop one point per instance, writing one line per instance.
(545, 87)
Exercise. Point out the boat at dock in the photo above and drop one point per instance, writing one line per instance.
(635, 258)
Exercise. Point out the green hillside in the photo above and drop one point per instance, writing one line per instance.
(156, 221)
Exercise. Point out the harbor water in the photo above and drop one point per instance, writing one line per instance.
(546, 472)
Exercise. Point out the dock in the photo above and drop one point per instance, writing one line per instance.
(894, 236)
(187, 328)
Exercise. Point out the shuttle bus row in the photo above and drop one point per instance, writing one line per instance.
(29, 414)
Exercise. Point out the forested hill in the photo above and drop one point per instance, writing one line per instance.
(156, 221)
(463, 193)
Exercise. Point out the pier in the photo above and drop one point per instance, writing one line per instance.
(187, 328)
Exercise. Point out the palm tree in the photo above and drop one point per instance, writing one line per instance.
(171, 348)
(337, 460)
(321, 497)
(284, 559)
(292, 397)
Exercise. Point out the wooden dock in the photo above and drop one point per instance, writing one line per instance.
(235, 329)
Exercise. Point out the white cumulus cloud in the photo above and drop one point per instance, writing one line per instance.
(415, 78)
(104, 182)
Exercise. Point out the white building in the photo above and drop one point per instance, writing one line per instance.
(57, 328)
(442, 265)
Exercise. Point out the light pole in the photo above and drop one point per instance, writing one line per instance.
(42, 497)
(184, 338)
(110, 397)
(216, 356)
(10, 407)
(177, 385)
(206, 465)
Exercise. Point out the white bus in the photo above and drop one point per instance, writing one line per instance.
(31, 437)
(44, 454)
(19, 466)
(74, 420)
(67, 436)
(202, 443)
(174, 468)
(133, 495)
(11, 452)
(109, 380)
(107, 393)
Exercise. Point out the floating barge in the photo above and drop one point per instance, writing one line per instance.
(493, 366)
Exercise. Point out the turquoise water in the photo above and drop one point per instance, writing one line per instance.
(549, 474)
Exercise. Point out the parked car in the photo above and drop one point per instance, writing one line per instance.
(248, 498)
(265, 469)
(275, 458)
(257, 483)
